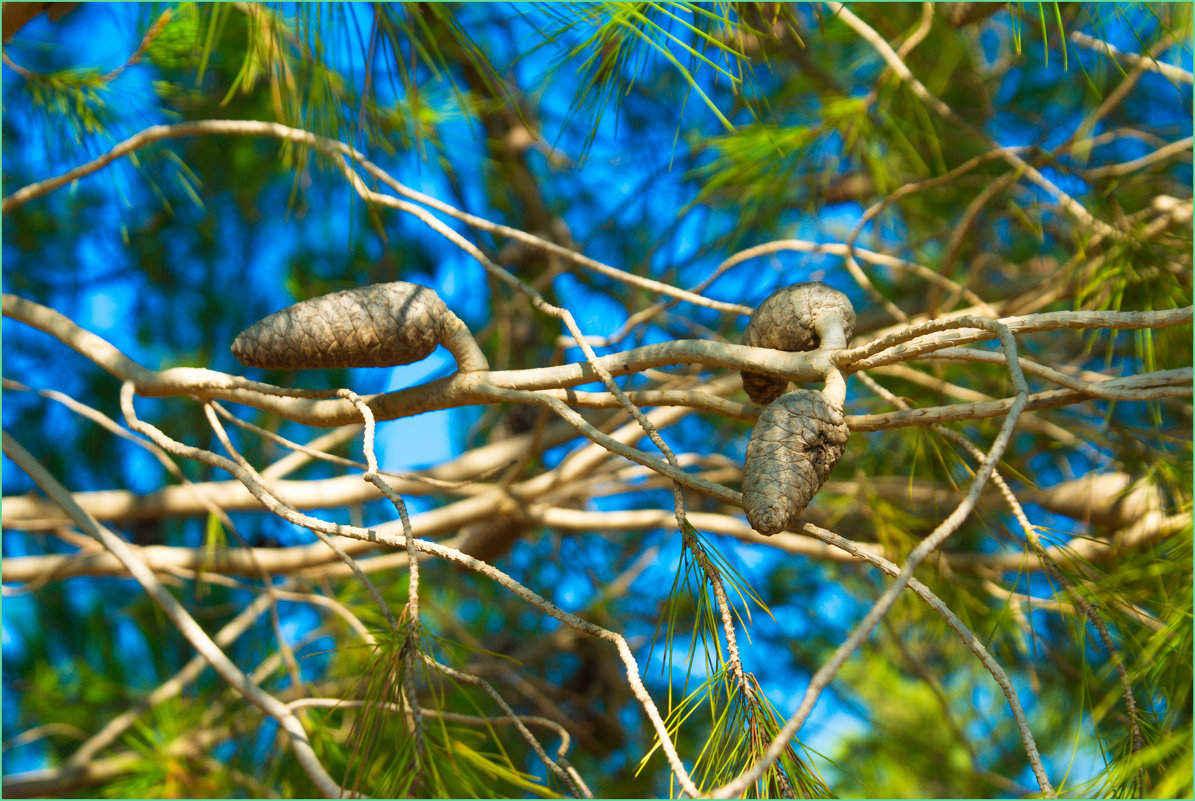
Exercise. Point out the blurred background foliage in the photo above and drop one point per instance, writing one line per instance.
(659, 138)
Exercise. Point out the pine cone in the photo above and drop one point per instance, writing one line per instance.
(788, 320)
(792, 450)
(380, 325)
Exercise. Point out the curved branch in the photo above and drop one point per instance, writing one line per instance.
(463, 389)
(825, 674)
(180, 618)
(336, 149)
(308, 559)
(868, 34)
(1142, 62)
(381, 535)
(1160, 384)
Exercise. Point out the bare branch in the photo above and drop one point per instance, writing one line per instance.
(1072, 206)
(179, 617)
(1143, 62)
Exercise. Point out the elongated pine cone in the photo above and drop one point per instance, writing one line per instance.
(380, 325)
(792, 450)
(787, 320)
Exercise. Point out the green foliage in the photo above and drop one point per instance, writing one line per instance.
(614, 42)
(76, 97)
(384, 757)
(738, 722)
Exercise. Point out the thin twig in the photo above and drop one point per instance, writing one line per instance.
(181, 619)
(250, 471)
(336, 149)
(1171, 71)
(435, 549)
(412, 645)
(1050, 565)
(868, 34)
(568, 777)
(825, 674)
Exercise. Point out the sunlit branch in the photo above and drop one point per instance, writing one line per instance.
(825, 674)
(309, 559)
(1125, 167)
(179, 616)
(898, 66)
(471, 388)
(337, 149)
(1051, 566)
(381, 536)
(1100, 46)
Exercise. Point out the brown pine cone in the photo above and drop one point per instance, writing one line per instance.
(380, 325)
(792, 450)
(787, 320)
